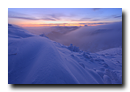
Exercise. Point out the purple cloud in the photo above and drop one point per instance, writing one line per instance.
(82, 19)
(19, 17)
(117, 16)
(95, 20)
(113, 16)
(95, 9)
(56, 16)
(48, 19)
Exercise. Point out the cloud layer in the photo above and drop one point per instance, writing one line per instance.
(94, 38)
(90, 38)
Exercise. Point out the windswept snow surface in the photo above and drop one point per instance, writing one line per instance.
(36, 59)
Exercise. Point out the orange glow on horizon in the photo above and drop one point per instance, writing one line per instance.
(42, 25)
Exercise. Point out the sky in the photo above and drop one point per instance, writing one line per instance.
(31, 17)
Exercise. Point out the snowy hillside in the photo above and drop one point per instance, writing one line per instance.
(34, 59)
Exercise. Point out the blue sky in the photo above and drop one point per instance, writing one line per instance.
(21, 16)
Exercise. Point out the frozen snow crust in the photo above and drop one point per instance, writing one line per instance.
(34, 59)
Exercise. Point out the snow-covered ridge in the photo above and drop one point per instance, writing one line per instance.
(38, 60)
(17, 32)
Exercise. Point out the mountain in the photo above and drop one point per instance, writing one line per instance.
(34, 59)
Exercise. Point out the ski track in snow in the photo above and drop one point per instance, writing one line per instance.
(34, 59)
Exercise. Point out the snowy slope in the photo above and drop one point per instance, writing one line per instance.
(17, 32)
(38, 60)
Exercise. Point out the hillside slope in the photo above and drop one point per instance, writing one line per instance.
(38, 60)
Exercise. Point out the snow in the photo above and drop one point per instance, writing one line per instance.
(35, 59)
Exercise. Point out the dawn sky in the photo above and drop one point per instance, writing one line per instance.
(63, 16)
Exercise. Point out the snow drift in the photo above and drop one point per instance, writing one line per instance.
(34, 59)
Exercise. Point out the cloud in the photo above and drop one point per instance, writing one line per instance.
(117, 16)
(48, 19)
(94, 38)
(113, 16)
(56, 16)
(77, 20)
(98, 23)
(19, 17)
(60, 16)
(82, 19)
(85, 18)
(95, 9)
(30, 18)
(82, 23)
(95, 20)
(27, 17)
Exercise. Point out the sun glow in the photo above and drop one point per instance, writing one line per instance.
(40, 23)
